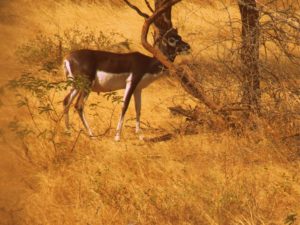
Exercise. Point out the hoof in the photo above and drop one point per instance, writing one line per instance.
(68, 131)
(141, 137)
(93, 137)
(117, 138)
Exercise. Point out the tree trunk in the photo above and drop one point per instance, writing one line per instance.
(250, 54)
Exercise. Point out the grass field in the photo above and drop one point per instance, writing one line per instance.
(205, 174)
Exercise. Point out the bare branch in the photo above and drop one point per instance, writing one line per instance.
(136, 9)
(149, 6)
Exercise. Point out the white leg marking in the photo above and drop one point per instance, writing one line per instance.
(120, 123)
(82, 116)
(87, 125)
(73, 93)
(67, 107)
(137, 101)
(119, 129)
(138, 105)
(68, 69)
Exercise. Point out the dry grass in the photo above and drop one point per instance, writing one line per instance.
(212, 177)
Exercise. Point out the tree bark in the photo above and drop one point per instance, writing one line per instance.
(163, 23)
(250, 54)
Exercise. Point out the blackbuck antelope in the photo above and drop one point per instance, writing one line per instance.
(107, 71)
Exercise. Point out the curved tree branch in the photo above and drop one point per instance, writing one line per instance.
(136, 9)
(184, 73)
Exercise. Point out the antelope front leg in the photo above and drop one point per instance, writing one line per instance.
(138, 105)
(126, 100)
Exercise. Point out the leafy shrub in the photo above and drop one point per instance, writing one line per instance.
(47, 52)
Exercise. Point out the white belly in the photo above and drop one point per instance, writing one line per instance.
(106, 82)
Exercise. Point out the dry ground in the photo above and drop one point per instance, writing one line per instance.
(212, 177)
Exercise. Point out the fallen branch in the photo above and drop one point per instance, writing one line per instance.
(165, 137)
(76, 140)
(178, 110)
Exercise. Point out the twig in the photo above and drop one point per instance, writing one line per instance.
(110, 123)
(165, 137)
(179, 110)
(76, 140)
(149, 6)
(136, 9)
(32, 116)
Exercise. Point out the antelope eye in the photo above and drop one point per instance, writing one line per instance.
(172, 41)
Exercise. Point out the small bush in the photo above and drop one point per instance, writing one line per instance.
(47, 52)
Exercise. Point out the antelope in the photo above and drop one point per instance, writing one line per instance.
(108, 71)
